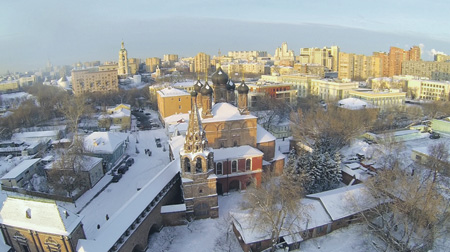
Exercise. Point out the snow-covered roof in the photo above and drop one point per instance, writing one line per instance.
(169, 91)
(125, 216)
(173, 208)
(45, 216)
(236, 152)
(19, 169)
(354, 104)
(104, 142)
(122, 112)
(226, 112)
(345, 201)
(176, 118)
(35, 134)
(263, 136)
(311, 212)
(176, 144)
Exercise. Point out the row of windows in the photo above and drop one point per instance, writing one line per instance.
(234, 166)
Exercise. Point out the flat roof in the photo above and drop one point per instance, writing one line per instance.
(19, 169)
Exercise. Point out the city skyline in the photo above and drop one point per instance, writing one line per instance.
(64, 33)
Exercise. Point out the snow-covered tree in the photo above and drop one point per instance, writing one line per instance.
(321, 171)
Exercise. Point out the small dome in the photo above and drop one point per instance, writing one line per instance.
(206, 90)
(194, 93)
(243, 88)
(219, 77)
(198, 86)
(231, 86)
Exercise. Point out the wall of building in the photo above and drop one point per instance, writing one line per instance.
(94, 81)
(225, 133)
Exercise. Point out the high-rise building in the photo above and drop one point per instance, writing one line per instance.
(283, 53)
(202, 63)
(327, 56)
(134, 64)
(92, 80)
(151, 64)
(170, 59)
(247, 55)
(430, 69)
(397, 56)
(123, 68)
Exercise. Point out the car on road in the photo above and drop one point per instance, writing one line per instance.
(116, 178)
(122, 169)
(129, 161)
(147, 113)
(434, 135)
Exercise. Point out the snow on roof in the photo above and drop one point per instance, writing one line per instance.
(354, 104)
(104, 142)
(236, 152)
(122, 112)
(176, 118)
(45, 216)
(226, 112)
(127, 214)
(173, 208)
(342, 202)
(169, 91)
(34, 134)
(263, 136)
(311, 213)
(176, 145)
(19, 169)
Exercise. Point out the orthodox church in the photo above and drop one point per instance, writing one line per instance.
(224, 148)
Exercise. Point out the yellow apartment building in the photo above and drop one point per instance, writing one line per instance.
(173, 101)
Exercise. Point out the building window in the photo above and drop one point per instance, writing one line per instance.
(52, 245)
(179, 99)
(234, 166)
(198, 165)
(187, 165)
(219, 169)
(248, 164)
(179, 107)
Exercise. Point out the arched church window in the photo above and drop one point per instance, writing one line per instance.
(198, 165)
(219, 168)
(235, 143)
(234, 166)
(187, 165)
(248, 164)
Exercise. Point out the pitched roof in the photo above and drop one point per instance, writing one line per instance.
(23, 166)
(104, 142)
(44, 216)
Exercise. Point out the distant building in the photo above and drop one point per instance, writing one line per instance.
(118, 117)
(397, 56)
(202, 63)
(435, 70)
(283, 53)
(92, 80)
(332, 89)
(21, 174)
(327, 57)
(380, 99)
(107, 145)
(123, 68)
(134, 64)
(151, 63)
(39, 225)
(247, 55)
(441, 58)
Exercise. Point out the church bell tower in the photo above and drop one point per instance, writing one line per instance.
(197, 169)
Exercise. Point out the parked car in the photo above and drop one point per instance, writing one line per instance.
(434, 135)
(147, 113)
(116, 178)
(129, 161)
(122, 169)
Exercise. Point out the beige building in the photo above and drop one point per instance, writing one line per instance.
(202, 63)
(92, 80)
(283, 53)
(35, 225)
(247, 55)
(123, 68)
(359, 67)
(435, 70)
(133, 64)
(430, 90)
(173, 101)
(109, 67)
(9, 86)
(382, 100)
(332, 89)
(327, 56)
(151, 63)
(441, 57)
(234, 69)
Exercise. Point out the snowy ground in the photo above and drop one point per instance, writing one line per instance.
(200, 235)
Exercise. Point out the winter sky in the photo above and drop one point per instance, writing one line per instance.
(64, 32)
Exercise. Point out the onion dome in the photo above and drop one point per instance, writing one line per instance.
(206, 90)
(194, 93)
(198, 86)
(230, 85)
(219, 77)
(243, 88)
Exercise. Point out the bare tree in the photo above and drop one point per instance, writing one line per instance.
(275, 205)
(410, 210)
(438, 160)
(226, 241)
(74, 108)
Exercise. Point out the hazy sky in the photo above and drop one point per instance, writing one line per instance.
(64, 32)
